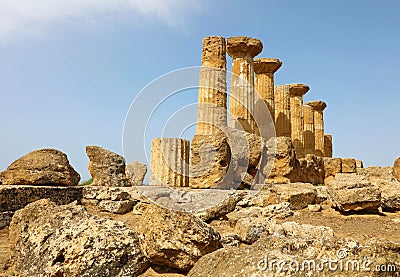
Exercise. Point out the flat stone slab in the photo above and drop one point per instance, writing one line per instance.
(14, 197)
(206, 203)
(352, 192)
(210, 203)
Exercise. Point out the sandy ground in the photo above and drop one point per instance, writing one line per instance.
(360, 227)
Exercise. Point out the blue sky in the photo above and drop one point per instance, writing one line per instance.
(69, 71)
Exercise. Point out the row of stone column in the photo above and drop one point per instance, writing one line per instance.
(212, 107)
(303, 123)
(284, 103)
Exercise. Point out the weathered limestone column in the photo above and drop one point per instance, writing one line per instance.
(169, 162)
(309, 131)
(328, 146)
(282, 111)
(242, 50)
(319, 107)
(296, 117)
(210, 157)
(265, 69)
(211, 111)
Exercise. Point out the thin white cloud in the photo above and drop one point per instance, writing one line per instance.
(36, 17)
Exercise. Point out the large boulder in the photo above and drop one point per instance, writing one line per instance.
(298, 195)
(41, 167)
(390, 196)
(50, 240)
(396, 169)
(210, 157)
(246, 151)
(282, 165)
(175, 239)
(352, 192)
(107, 168)
(136, 172)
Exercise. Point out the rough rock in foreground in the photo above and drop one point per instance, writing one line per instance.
(50, 240)
(293, 249)
(41, 167)
(175, 239)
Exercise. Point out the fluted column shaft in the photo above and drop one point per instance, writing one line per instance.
(319, 132)
(265, 69)
(309, 132)
(328, 148)
(264, 85)
(169, 162)
(319, 107)
(242, 50)
(242, 94)
(282, 111)
(211, 110)
(297, 92)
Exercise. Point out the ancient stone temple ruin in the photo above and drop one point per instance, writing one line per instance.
(237, 144)
(255, 135)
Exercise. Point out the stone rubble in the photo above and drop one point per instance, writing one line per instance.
(136, 171)
(106, 168)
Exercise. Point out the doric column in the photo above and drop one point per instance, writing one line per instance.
(296, 117)
(319, 107)
(242, 50)
(328, 146)
(265, 69)
(211, 109)
(309, 131)
(169, 162)
(282, 111)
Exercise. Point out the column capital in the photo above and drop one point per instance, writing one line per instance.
(266, 65)
(243, 46)
(318, 105)
(298, 89)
